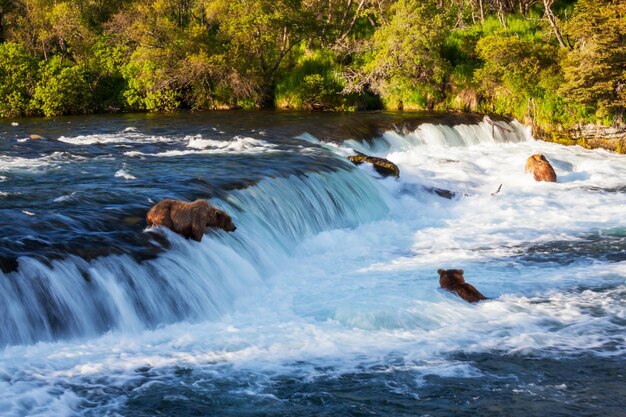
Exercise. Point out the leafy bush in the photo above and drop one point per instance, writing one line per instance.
(104, 63)
(63, 89)
(18, 77)
(312, 84)
(148, 87)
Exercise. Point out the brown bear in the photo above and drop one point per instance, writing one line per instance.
(541, 168)
(452, 280)
(188, 219)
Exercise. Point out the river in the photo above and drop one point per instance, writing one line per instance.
(325, 301)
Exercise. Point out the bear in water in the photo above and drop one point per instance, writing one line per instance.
(541, 168)
(452, 280)
(189, 219)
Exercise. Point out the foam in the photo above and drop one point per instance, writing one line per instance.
(197, 145)
(239, 144)
(9, 163)
(126, 136)
(125, 175)
(64, 198)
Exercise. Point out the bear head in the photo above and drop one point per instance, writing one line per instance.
(450, 278)
(223, 221)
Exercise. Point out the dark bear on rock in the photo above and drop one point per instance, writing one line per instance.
(452, 280)
(383, 166)
(540, 168)
(189, 219)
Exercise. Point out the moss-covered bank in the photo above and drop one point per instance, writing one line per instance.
(590, 136)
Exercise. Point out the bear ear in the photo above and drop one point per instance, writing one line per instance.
(441, 271)
(461, 271)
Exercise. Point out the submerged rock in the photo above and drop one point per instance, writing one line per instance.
(540, 168)
(383, 166)
(189, 219)
(443, 193)
(453, 281)
(132, 220)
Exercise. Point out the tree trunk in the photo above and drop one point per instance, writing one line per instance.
(552, 19)
(268, 95)
(501, 15)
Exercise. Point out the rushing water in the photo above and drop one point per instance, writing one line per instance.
(325, 301)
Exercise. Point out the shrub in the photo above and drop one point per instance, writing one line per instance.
(312, 84)
(18, 77)
(63, 89)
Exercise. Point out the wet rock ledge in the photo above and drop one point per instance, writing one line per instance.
(590, 136)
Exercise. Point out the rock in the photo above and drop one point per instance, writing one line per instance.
(189, 219)
(442, 192)
(590, 136)
(36, 137)
(383, 166)
(540, 168)
(453, 281)
(132, 220)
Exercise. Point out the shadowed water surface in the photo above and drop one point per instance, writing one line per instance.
(497, 385)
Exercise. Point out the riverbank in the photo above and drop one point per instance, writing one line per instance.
(590, 136)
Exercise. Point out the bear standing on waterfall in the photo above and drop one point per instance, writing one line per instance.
(188, 219)
(452, 280)
(541, 168)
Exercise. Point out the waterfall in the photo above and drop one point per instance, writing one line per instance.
(427, 134)
(47, 300)
(191, 281)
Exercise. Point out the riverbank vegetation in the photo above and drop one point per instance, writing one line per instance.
(547, 62)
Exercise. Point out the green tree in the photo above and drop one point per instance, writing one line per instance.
(516, 73)
(176, 57)
(50, 27)
(595, 69)
(260, 35)
(407, 64)
(6, 8)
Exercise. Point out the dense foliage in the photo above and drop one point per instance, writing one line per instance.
(547, 62)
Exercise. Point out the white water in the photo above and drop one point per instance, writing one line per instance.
(339, 269)
(197, 145)
(37, 164)
(122, 173)
(127, 136)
